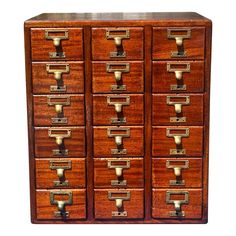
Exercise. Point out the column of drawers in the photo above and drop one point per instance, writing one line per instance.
(177, 122)
(118, 122)
(59, 123)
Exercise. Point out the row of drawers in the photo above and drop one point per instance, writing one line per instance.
(117, 43)
(128, 77)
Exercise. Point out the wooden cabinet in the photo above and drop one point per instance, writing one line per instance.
(118, 117)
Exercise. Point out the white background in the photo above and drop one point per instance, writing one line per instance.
(14, 193)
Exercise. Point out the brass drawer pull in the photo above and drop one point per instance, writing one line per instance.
(177, 203)
(178, 68)
(177, 135)
(61, 204)
(118, 35)
(117, 69)
(118, 104)
(177, 168)
(58, 101)
(116, 164)
(58, 70)
(178, 102)
(59, 134)
(56, 35)
(119, 135)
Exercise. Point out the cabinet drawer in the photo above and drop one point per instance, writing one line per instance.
(48, 204)
(60, 173)
(118, 109)
(177, 203)
(56, 44)
(118, 141)
(58, 77)
(178, 43)
(119, 204)
(177, 141)
(58, 110)
(176, 172)
(117, 43)
(177, 109)
(119, 172)
(59, 142)
(117, 77)
(179, 76)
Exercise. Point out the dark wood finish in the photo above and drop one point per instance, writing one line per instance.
(45, 211)
(104, 206)
(161, 144)
(72, 47)
(45, 144)
(162, 112)
(103, 112)
(103, 175)
(43, 113)
(102, 144)
(45, 176)
(162, 79)
(42, 80)
(194, 47)
(133, 46)
(133, 80)
(161, 174)
(193, 210)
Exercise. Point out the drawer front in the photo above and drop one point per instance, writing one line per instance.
(58, 77)
(177, 141)
(118, 77)
(56, 44)
(178, 43)
(177, 173)
(119, 204)
(58, 110)
(177, 203)
(60, 173)
(119, 172)
(59, 142)
(48, 205)
(177, 109)
(118, 141)
(181, 76)
(118, 109)
(117, 43)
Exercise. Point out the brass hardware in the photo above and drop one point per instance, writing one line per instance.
(56, 38)
(58, 72)
(178, 104)
(177, 151)
(118, 120)
(177, 136)
(178, 71)
(61, 204)
(54, 133)
(124, 68)
(60, 152)
(178, 87)
(59, 103)
(177, 203)
(57, 55)
(58, 88)
(116, 87)
(118, 168)
(118, 105)
(118, 136)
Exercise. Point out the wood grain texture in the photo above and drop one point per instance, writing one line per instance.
(161, 144)
(162, 112)
(193, 210)
(74, 112)
(103, 112)
(133, 80)
(104, 206)
(73, 81)
(45, 144)
(162, 79)
(45, 211)
(133, 46)
(72, 47)
(103, 144)
(103, 175)
(161, 175)
(45, 176)
(194, 47)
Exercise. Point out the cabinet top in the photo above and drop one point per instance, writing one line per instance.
(131, 19)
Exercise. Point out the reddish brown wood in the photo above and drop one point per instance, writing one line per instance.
(163, 80)
(162, 175)
(42, 80)
(104, 207)
(103, 175)
(133, 46)
(45, 176)
(194, 46)
(103, 80)
(162, 112)
(193, 210)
